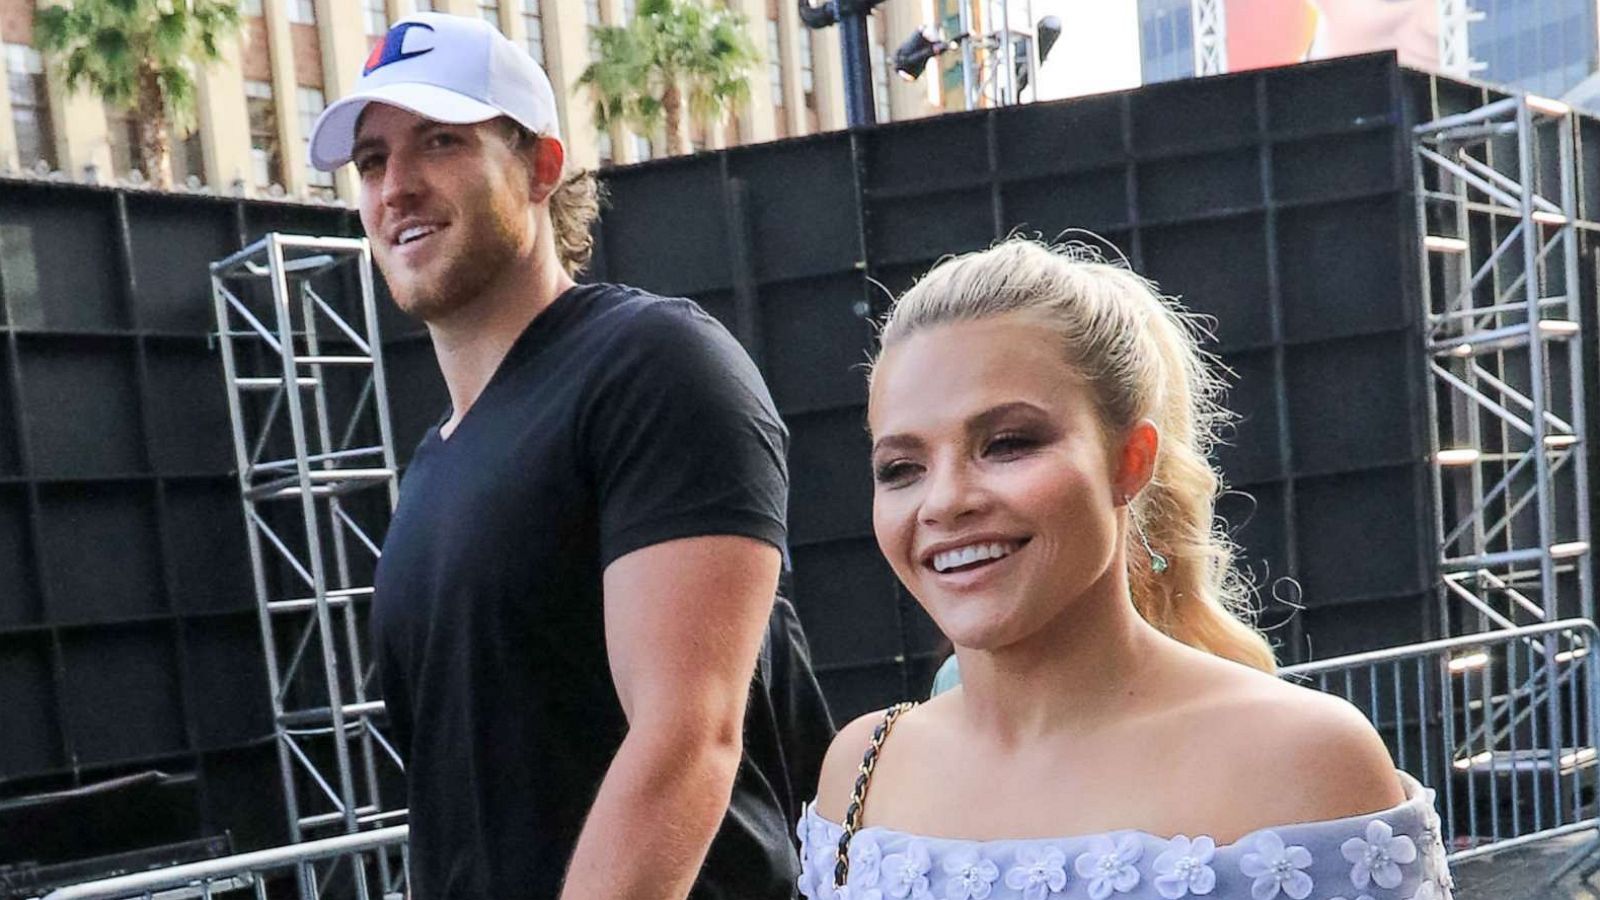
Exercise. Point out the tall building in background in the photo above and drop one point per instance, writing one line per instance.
(1543, 46)
(293, 57)
(1166, 40)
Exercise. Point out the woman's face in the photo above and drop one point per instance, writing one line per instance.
(995, 499)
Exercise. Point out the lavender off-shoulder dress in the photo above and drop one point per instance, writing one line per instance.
(1395, 854)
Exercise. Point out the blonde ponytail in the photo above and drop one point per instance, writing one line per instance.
(1142, 357)
(1201, 599)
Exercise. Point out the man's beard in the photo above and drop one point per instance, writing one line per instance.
(453, 282)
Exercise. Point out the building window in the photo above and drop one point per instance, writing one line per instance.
(30, 106)
(490, 11)
(188, 158)
(309, 103)
(643, 148)
(775, 62)
(533, 25)
(591, 14)
(265, 157)
(251, 8)
(603, 144)
(425, 6)
(377, 18)
(122, 135)
(880, 69)
(807, 70)
(629, 8)
(303, 12)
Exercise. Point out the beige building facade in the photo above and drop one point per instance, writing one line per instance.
(293, 57)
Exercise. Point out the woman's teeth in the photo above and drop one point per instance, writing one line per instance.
(963, 556)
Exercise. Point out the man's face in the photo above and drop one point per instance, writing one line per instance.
(446, 207)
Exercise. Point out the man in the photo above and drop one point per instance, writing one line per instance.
(578, 577)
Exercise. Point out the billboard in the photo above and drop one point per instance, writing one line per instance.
(1278, 32)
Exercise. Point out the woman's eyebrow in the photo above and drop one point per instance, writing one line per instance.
(979, 422)
(896, 442)
(988, 417)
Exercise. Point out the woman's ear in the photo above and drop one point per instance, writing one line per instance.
(1136, 458)
(549, 161)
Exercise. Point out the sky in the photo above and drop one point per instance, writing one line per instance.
(1098, 50)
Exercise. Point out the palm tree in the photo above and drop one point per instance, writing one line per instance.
(139, 56)
(674, 53)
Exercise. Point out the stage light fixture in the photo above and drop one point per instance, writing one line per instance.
(1548, 107)
(1571, 761)
(1049, 29)
(1442, 244)
(1570, 655)
(1569, 549)
(912, 56)
(1459, 456)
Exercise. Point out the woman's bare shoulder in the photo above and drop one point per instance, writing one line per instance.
(1299, 755)
(842, 763)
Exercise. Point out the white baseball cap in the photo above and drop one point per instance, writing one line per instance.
(446, 68)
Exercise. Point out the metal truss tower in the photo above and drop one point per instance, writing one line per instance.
(1455, 55)
(1496, 194)
(1210, 36)
(317, 476)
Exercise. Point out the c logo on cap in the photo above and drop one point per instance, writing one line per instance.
(389, 50)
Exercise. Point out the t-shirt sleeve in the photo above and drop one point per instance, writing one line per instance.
(682, 436)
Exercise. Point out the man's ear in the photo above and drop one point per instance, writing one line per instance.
(549, 160)
(1136, 458)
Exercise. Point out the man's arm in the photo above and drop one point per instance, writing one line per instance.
(684, 623)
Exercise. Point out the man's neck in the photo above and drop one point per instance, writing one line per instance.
(471, 343)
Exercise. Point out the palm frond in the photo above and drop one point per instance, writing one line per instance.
(122, 50)
(688, 43)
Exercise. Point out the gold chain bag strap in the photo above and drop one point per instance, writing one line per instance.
(858, 795)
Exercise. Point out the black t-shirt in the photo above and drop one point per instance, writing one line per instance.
(618, 420)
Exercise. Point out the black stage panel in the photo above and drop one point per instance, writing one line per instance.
(1278, 202)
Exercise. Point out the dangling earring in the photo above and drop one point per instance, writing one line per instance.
(1158, 563)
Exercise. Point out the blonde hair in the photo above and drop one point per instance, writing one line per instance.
(574, 204)
(574, 207)
(1141, 357)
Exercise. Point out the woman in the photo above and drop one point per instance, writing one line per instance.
(1040, 424)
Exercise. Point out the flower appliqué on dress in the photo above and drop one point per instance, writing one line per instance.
(971, 876)
(1378, 858)
(1109, 867)
(1429, 890)
(1038, 872)
(1434, 862)
(906, 874)
(1184, 867)
(1276, 868)
(811, 865)
(866, 861)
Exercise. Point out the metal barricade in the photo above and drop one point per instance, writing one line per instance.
(268, 874)
(1502, 724)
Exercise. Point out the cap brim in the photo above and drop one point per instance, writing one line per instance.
(333, 137)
